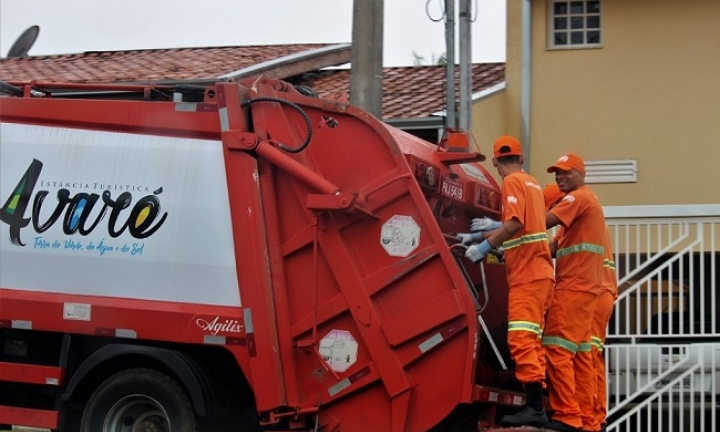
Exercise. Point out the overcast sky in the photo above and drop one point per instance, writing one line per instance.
(74, 26)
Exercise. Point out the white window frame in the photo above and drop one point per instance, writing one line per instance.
(551, 25)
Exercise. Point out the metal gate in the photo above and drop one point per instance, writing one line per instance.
(663, 349)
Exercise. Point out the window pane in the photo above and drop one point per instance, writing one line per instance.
(561, 38)
(593, 21)
(577, 38)
(593, 37)
(561, 8)
(575, 23)
(561, 23)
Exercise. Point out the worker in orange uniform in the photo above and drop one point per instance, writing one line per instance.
(578, 272)
(594, 417)
(598, 333)
(530, 274)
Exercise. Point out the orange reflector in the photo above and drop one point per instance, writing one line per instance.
(458, 141)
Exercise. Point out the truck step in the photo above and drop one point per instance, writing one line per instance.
(498, 396)
(29, 417)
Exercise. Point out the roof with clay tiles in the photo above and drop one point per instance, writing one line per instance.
(408, 92)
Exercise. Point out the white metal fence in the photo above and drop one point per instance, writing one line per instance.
(663, 349)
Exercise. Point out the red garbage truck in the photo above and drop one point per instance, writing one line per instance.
(239, 257)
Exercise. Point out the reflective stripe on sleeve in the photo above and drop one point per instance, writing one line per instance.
(526, 239)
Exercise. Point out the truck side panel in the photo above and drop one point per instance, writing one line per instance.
(115, 214)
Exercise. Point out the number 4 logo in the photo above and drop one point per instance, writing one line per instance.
(14, 209)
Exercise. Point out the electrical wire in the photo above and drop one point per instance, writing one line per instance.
(442, 8)
(444, 14)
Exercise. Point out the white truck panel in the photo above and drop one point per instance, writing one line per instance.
(173, 241)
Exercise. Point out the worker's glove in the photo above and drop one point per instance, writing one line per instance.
(475, 253)
(484, 224)
(467, 238)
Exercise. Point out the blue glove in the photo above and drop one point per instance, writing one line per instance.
(476, 252)
(484, 224)
(466, 239)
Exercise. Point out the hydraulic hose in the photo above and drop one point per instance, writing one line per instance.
(10, 89)
(297, 108)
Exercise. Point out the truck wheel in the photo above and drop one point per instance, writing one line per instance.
(138, 400)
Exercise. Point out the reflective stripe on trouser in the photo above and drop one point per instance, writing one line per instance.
(527, 304)
(542, 357)
(603, 311)
(568, 325)
(608, 263)
(586, 385)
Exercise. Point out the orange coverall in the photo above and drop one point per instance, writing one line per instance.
(578, 272)
(530, 275)
(598, 333)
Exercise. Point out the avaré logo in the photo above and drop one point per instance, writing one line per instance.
(76, 210)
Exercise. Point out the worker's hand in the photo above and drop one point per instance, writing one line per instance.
(467, 238)
(500, 254)
(475, 253)
(484, 224)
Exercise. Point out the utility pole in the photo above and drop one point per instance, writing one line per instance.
(450, 108)
(465, 111)
(366, 75)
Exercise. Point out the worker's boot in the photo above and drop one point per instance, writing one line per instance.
(559, 426)
(533, 414)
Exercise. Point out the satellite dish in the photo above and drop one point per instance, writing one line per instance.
(23, 44)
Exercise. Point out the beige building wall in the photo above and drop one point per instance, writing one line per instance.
(488, 120)
(650, 93)
(513, 67)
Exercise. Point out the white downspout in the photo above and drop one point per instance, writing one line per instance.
(525, 78)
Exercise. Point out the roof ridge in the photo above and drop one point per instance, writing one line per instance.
(168, 49)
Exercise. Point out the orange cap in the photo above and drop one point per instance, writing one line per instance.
(507, 145)
(552, 195)
(568, 162)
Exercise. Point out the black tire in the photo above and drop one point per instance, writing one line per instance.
(138, 396)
